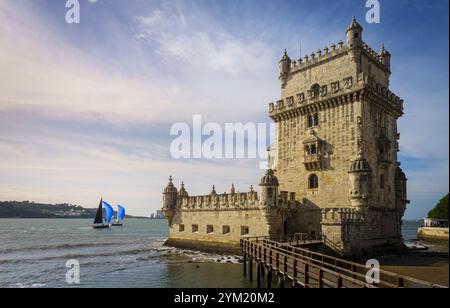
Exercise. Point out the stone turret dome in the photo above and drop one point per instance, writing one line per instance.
(213, 192)
(360, 164)
(183, 192)
(170, 188)
(269, 179)
(285, 57)
(354, 25)
(383, 51)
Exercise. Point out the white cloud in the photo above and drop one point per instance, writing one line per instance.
(199, 42)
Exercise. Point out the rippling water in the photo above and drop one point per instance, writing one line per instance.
(33, 253)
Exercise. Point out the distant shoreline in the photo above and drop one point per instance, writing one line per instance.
(33, 210)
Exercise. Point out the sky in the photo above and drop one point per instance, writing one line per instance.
(86, 109)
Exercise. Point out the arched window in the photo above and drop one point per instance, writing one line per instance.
(313, 182)
(310, 121)
(313, 149)
(316, 119)
(315, 90)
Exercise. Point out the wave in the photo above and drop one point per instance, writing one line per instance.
(60, 246)
(77, 256)
(152, 251)
(28, 286)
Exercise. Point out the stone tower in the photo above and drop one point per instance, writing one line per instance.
(334, 167)
(337, 143)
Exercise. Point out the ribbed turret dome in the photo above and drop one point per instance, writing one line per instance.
(183, 192)
(269, 179)
(354, 25)
(170, 188)
(285, 57)
(360, 165)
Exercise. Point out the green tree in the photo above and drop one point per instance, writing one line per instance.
(441, 209)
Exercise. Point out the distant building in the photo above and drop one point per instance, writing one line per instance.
(435, 223)
(160, 215)
(337, 171)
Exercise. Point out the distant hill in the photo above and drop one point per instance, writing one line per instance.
(26, 209)
(441, 209)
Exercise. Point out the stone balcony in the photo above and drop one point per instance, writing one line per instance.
(313, 161)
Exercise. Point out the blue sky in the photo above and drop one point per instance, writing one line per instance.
(85, 110)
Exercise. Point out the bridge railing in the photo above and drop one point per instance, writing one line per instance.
(267, 250)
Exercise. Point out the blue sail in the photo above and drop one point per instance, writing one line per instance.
(109, 212)
(120, 214)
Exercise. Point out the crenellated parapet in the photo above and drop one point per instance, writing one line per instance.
(329, 53)
(340, 216)
(220, 201)
(268, 198)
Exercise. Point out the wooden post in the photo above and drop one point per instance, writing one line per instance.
(306, 275)
(401, 282)
(339, 282)
(269, 278)
(354, 276)
(295, 269)
(250, 268)
(258, 275)
(281, 281)
(320, 279)
(245, 264)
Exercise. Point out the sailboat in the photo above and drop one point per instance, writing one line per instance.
(101, 222)
(120, 216)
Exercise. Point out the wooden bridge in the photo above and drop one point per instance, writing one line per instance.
(303, 268)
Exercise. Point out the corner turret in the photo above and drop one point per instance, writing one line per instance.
(285, 68)
(401, 194)
(385, 57)
(170, 196)
(360, 175)
(354, 34)
(268, 188)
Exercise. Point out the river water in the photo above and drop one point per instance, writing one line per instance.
(34, 252)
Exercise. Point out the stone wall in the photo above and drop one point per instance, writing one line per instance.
(224, 227)
(440, 234)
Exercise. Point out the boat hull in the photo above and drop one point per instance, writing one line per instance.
(117, 225)
(100, 226)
